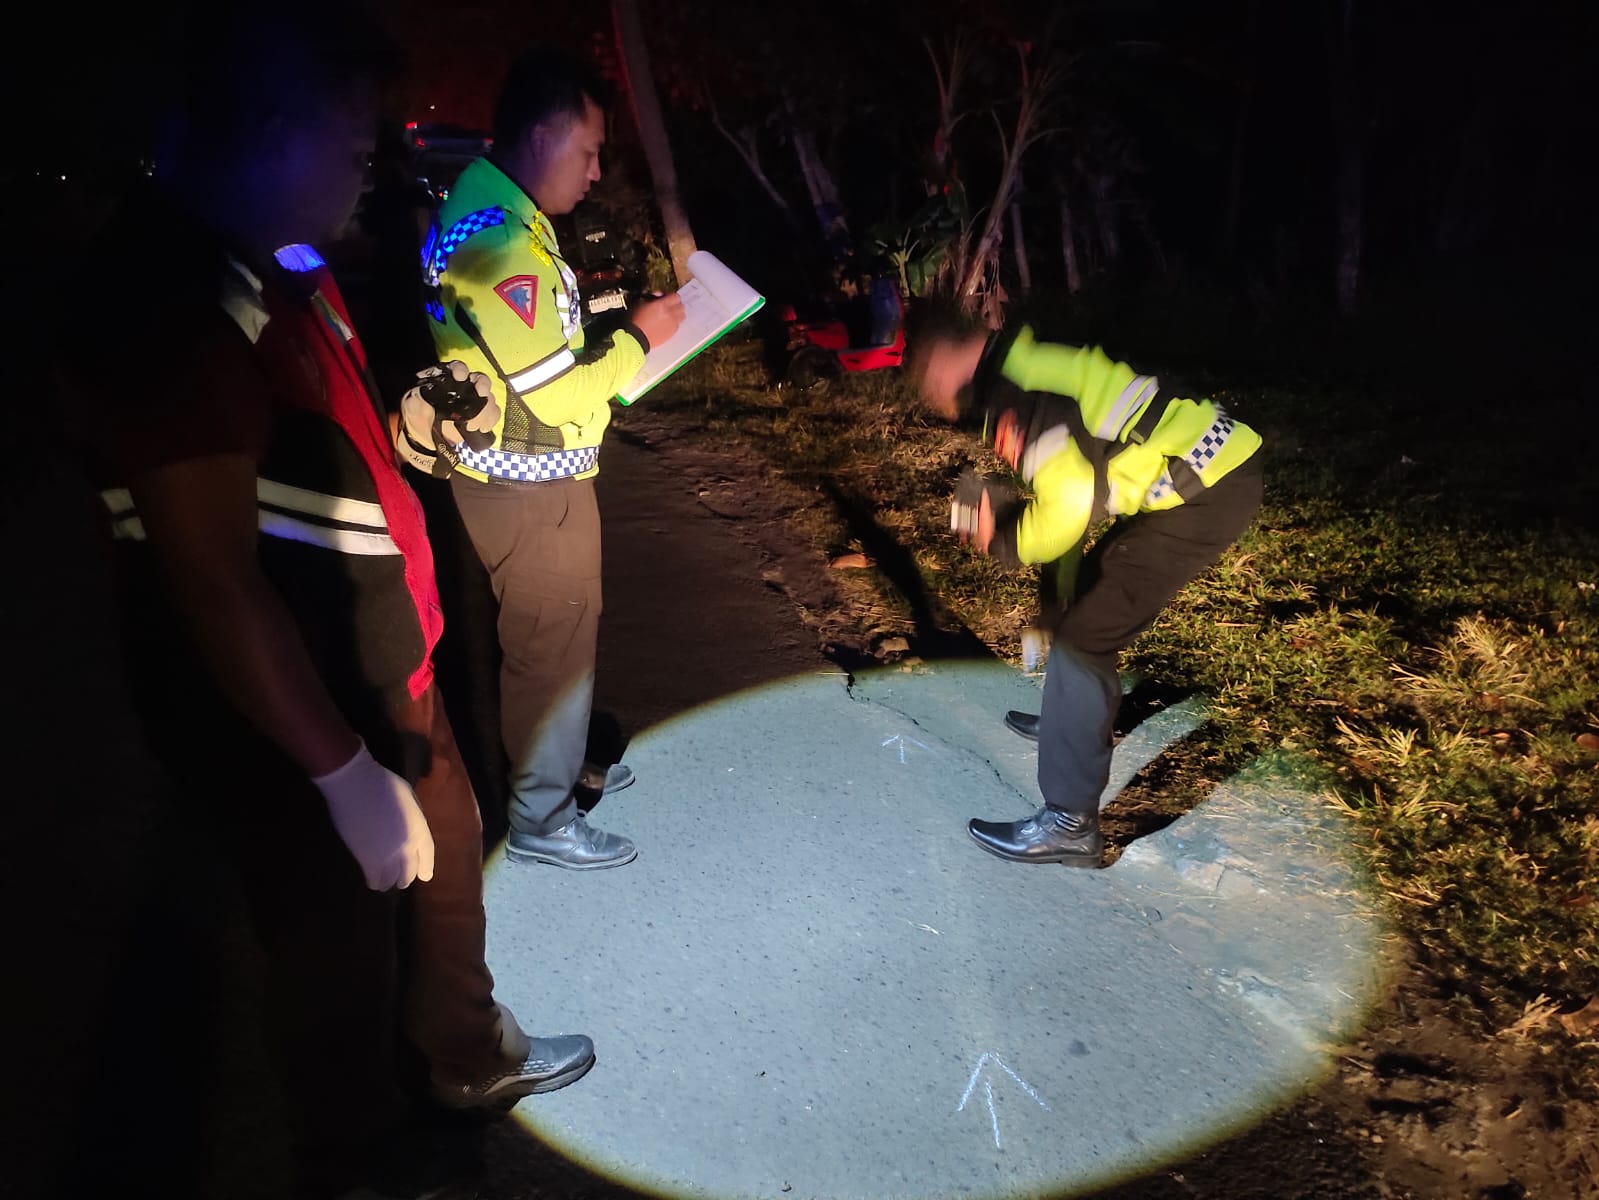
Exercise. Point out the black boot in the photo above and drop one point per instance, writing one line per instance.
(1023, 723)
(1048, 836)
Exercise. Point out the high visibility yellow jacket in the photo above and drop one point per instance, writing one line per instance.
(1093, 438)
(504, 301)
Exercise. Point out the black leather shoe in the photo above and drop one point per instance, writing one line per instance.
(1025, 724)
(1048, 836)
(577, 846)
(599, 780)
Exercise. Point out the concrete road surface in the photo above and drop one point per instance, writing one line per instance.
(811, 983)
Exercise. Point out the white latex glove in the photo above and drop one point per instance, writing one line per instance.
(377, 817)
(418, 415)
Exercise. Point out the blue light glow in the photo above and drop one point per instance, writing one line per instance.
(299, 258)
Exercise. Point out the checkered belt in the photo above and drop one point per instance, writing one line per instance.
(532, 468)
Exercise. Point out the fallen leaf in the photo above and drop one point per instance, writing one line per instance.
(844, 561)
(1582, 1022)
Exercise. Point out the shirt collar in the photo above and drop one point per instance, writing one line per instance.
(483, 183)
(243, 299)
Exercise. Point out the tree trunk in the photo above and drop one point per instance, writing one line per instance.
(1107, 217)
(1024, 274)
(1035, 93)
(1235, 180)
(1351, 226)
(950, 85)
(1157, 252)
(1068, 246)
(819, 184)
(749, 150)
(985, 250)
(1349, 161)
(1235, 167)
(639, 80)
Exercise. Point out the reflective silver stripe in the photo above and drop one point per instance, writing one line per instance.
(1142, 388)
(126, 525)
(345, 541)
(127, 528)
(1113, 499)
(543, 372)
(320, 504)
(1043, 449)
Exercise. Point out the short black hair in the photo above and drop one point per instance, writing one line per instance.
(545, 84)
(244, 64)
(936, 320)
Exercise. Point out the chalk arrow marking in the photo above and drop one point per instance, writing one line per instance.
(988, 1090)
(900, 740)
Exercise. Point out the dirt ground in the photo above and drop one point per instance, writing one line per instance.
(137, 1068)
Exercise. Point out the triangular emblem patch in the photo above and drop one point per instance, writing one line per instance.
(521, 292)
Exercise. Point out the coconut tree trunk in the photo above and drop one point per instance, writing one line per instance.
(639, 80)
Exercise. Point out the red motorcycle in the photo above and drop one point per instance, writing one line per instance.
(862, 329)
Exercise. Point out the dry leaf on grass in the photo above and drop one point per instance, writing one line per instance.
(1534, 1015)
(1582, 1022)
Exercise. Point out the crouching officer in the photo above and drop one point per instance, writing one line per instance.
(1091, 438)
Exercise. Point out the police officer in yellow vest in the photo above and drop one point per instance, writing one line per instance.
(1091, 438)
(504, 301)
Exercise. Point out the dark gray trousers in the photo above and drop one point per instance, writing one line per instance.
(541, 545)
(1124, 581)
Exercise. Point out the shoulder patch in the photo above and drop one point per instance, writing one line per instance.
(521, 292)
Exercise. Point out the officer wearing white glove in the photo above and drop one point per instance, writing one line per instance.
(428, 441)
(376, 814)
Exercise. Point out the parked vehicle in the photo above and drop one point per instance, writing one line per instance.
(861, 328)
(606, 281)
(443, 151)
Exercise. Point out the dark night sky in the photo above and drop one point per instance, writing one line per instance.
(1475, 119)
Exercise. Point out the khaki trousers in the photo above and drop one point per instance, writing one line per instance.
(540, 543)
